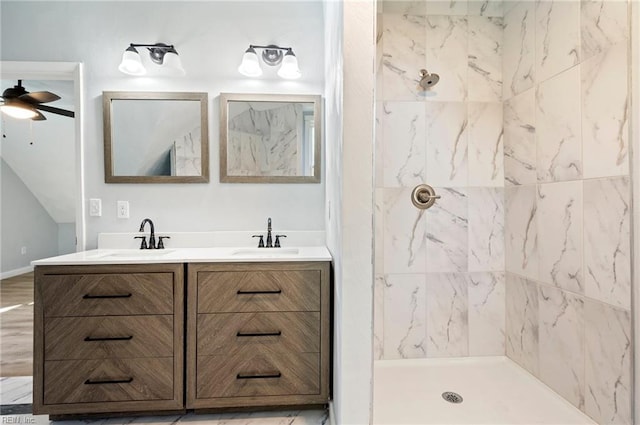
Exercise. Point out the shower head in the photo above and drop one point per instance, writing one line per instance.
(428, 80)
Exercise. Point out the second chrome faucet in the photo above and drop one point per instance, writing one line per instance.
(270, 243)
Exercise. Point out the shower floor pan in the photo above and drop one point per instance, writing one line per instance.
(494, 391)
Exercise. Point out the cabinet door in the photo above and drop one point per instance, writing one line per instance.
(110, 294)
(85, 381)
(253, 375)
(104, 337)
(246, 333)
(260, 290)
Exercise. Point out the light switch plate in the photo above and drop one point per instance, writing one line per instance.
(123, 209)
(95, 207)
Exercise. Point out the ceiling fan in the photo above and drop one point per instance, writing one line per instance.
(19, 103)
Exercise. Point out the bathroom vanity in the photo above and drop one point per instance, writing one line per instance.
(121, 331)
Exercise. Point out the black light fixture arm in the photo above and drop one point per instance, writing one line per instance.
(156, 51)
(157, 45)
(270, 47)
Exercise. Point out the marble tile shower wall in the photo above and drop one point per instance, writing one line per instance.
(440, 281)
(527, 253)
(567, 200)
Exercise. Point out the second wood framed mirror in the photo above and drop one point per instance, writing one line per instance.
(269, 138)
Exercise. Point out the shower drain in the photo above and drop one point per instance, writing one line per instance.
(452, 397)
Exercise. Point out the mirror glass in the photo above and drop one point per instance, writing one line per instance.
(155, 137)
(270, 138)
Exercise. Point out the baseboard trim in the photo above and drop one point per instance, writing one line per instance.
(16, 272)
(332, 415)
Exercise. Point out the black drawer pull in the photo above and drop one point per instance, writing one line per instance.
(241, 292)
(91, 297)
(108, 381)
(110, 338)
(276, 333)
(259, 375)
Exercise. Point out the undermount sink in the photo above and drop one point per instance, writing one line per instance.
(266, 252)
(137, 253)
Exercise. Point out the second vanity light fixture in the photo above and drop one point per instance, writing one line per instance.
(272, 55)
(164, 55)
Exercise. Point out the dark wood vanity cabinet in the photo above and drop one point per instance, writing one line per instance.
(111, 338)
(108, 338)
(258, 334)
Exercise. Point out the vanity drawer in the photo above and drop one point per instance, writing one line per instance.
(258, 375)
(260, 290)
(108, 337)
(87, 381)
(110, 294)
(247, 333)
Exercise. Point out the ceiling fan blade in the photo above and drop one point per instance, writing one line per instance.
(55, 110)
(39, 117)
(39, 97)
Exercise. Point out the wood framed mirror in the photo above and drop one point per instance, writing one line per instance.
(269, 138)
(155, 137)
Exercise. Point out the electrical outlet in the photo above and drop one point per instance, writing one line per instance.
(95, 207)
(123, 209)
(23, 250)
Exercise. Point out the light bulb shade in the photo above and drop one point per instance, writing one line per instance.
(172, 63)
(131, 63)
(18, 111)
(289, 68)
(250, 65)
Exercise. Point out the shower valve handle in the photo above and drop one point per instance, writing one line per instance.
(423, 196)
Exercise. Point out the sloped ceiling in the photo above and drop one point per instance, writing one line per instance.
(42, 153)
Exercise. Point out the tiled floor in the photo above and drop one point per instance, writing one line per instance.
(15, 391)
(304, 417)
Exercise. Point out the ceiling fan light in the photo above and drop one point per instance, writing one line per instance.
(131, 63)
(172, 63)
(289, 68)
(18, 112)
(250, 65)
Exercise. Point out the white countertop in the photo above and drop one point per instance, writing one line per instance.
(189, 255)
(218, 239)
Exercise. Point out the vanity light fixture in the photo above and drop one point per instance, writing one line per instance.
(164, 55)
(272, 55)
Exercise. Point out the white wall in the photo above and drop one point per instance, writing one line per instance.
(635, 171)
(333, 17)
(24, 223)
(66, 238)
(349, 92)
(210, 38)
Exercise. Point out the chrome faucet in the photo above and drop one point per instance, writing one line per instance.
(152, 236)
(269, 241)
